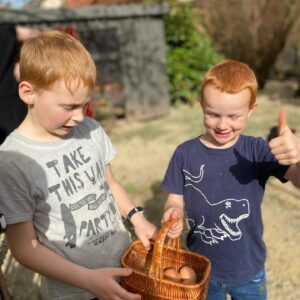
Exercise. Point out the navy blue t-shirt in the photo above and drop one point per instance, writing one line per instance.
(223, 191)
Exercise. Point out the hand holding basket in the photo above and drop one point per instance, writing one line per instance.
(147, 276)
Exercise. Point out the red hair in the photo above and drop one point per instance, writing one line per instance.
(55, 55)
(232, 77)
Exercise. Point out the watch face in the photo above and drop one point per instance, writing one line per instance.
(133, 211)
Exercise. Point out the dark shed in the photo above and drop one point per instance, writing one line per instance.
(128, 45)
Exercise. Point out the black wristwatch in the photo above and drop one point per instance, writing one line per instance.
(133, 211)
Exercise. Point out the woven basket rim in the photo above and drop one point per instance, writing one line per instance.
(205, 276)
(171, 298)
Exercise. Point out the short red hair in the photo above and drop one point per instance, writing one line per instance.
(232, 77)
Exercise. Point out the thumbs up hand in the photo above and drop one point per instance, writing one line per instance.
(285, 147)
(282, 123)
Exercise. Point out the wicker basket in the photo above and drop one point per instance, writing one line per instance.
(147, 276)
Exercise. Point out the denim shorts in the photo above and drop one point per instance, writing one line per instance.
(254, 289)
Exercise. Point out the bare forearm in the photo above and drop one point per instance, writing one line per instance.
(143, 228)
(100, 282)
(124, 203)
(46, 262)
(294, 175)
(27, 250)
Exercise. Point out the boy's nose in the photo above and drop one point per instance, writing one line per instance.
(78, 115)
(222, 124)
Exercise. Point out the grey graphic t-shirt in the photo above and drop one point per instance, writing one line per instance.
(61, 186)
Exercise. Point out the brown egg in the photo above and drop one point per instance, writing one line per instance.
(171, 274)
(188, 273)
(188, 282)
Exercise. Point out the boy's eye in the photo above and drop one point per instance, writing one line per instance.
(68, 107)
(211, 115)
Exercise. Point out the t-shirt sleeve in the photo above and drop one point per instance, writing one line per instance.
(108, 149)
(16, 201)
(173, 181)
(102, 141)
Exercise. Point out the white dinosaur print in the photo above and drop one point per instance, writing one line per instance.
(227, 214)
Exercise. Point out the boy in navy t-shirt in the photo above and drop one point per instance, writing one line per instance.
(219, 179)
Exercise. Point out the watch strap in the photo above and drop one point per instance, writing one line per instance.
(133, 211)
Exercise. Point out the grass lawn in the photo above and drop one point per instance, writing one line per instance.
(144, 150)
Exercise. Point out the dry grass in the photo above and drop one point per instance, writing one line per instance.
(144, 150)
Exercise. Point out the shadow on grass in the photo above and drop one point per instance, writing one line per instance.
(154, 206)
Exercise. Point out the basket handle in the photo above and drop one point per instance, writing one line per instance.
(156, 265)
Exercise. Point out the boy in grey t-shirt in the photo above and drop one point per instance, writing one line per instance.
(59, 197)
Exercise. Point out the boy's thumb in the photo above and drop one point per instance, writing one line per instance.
(282, 123)
(125, 272)
(175, 214)
(146, 243)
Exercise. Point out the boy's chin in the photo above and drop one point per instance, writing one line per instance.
(58, 134)
(215, 141)
(225, 142)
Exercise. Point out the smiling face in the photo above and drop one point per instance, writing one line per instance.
(225, 116)
(53, 111)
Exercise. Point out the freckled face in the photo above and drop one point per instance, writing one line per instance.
(56, 110)
(225, 116)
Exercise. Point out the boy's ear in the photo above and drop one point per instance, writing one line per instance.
(252, 108)
(26, 92)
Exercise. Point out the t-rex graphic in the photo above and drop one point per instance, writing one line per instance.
(225, 218)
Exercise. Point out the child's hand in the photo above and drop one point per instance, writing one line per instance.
(144, 230)
(285, 147)
(177, 227)
(102, 283)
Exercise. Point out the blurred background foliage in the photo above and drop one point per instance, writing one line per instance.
(265, 34)
(189, 53)
(256, 32)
